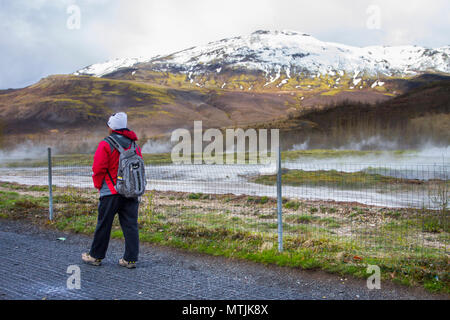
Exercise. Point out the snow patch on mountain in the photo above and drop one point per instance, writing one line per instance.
(291, 53)
(101, 69)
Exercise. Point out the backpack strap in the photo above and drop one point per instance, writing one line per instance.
(115, 143)
(109, 174)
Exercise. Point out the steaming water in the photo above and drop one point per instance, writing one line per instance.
(233, 179)
(430, 163)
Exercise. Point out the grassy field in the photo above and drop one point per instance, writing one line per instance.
(410, 246)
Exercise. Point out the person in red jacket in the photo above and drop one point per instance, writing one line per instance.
(104, 168)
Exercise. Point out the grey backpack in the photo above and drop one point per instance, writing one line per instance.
(131, 180)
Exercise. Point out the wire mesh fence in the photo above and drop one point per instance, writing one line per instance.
(383, 211)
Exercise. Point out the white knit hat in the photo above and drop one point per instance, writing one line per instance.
(118, 121)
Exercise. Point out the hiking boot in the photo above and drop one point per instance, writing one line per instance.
(127, 264)
(86, 257)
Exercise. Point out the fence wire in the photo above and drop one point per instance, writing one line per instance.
(388, 211)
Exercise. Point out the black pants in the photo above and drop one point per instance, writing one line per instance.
(128, 217)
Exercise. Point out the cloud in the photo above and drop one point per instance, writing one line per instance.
(35, 41)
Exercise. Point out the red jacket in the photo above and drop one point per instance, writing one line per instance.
(105, 160)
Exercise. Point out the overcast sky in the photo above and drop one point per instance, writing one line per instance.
(40, 37)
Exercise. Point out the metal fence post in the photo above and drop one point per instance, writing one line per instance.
(50, 189)
(279, 202)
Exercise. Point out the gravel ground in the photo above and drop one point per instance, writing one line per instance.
(34, 266)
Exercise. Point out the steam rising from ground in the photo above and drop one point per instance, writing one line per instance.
(427, 153)
(300, 146)
(152, 146)
(370, 143)
(25, 150)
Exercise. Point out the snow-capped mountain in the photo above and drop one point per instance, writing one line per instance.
(286, 54)
(264, 80)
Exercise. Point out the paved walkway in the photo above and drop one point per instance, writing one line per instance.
(34, 266)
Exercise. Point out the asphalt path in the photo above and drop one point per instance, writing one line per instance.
(36, 265)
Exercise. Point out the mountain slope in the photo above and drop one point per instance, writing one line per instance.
(420, 116)
(82, 102)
